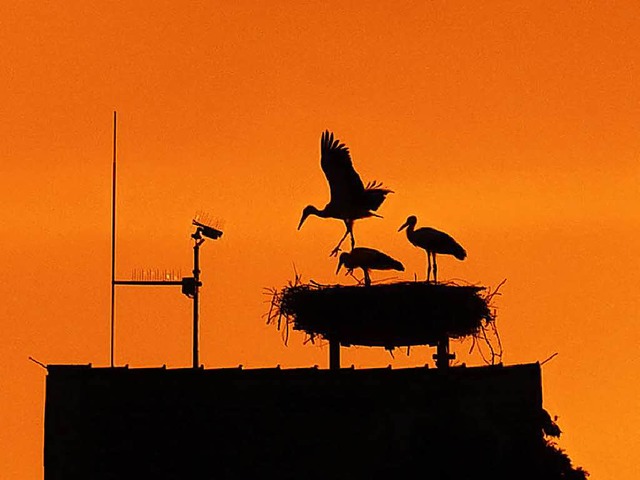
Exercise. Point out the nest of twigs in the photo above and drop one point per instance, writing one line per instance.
(385, 315)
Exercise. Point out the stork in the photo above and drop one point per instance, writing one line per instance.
(433, 242)
(350, 198)
(368, 259)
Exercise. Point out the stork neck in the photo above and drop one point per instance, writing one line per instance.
(410, 229)
(320, 213)
(311, 210)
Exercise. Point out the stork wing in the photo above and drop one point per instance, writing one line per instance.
(344, 182)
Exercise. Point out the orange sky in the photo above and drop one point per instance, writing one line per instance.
(511, 126)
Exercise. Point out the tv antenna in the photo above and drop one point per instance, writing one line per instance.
(190, 285)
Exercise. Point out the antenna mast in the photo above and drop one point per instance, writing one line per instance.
(113, 239)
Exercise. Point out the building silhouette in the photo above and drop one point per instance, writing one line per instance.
(235, 423)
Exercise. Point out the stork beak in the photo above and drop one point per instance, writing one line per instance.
(404, 225)
(340, 263)
(305, 214)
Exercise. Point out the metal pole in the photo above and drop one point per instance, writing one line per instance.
(196, 276)
(113, 241)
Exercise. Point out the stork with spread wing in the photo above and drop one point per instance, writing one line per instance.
(350, 198)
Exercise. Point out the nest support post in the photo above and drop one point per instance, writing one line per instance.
(442, 356)
(334, 354)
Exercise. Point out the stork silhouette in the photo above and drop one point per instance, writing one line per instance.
(432, 241)
(350, 198)
(368, 259)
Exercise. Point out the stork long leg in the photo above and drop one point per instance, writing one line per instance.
(335, 251)
(428, 266)
(367, 278)
(349, 224)
(435, 269)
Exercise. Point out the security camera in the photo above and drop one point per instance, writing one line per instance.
(207, 231)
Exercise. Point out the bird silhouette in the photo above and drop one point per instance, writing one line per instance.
(368, 259)
(350, 198)
(433, 242)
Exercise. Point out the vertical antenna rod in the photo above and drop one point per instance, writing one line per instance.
(113, 239)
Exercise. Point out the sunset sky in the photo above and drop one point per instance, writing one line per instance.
(513, 126)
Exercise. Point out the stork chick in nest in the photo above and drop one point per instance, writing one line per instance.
(367, 259)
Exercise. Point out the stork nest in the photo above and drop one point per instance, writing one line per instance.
(388, 315)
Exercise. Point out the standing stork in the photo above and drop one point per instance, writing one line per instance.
(350, 198)
(368, 259)
(432, 241)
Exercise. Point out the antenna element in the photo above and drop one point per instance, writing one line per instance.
(113, 241)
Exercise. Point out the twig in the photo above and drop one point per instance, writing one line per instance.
(497, 334)
(353, 275)
(473, 343)
(38, 362)
(551, 357)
